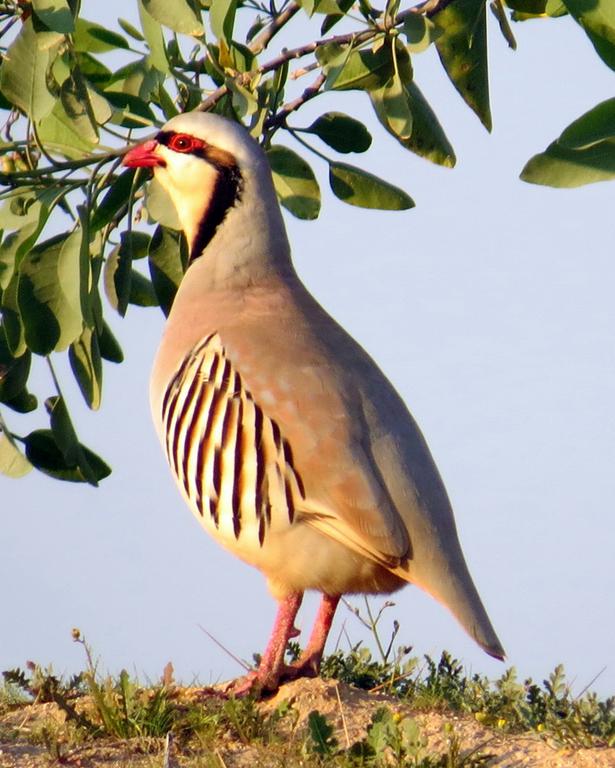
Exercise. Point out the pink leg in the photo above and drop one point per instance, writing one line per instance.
(308, 664)
(270, 670)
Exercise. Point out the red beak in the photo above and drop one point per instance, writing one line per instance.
(143, 156)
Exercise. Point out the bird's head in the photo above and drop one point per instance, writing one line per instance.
(206, 163)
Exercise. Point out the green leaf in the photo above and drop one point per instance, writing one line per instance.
(65, 438)
(24, 402)
(179, 15)
(118, 274)
(462, 48)
(49, 294)
(308, 6)
(18, 211)
(597, 17)
(12, 461)
(321, 734)
(75, 99)
(357, 187)
(43, 452)
(427, 138)
(137, 242)
(333, 7)
(93, 70)
(11, 319)
(355, 69)
(27, 215)
(528, 9)
(114, 201)
(90, 37)
(420, 32)
(14, 371)
(341, 132)
(23, 75)
(131, 111)
(101, 109)
(383, 733)
(559, 166)
(142, 292)
(60, 133)
(590, 128)
(86, 364)
(222, 18)
(168, 258)
(88, 273)
(155, 41)
(55, 15)
(501, 16)
(109, 346)
(130, 30)
(137, 79)
(166, 103)
(294, 182)
(244, 100)
(396, 110)
(160, 206)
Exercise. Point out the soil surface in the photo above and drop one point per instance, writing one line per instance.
(348, 709)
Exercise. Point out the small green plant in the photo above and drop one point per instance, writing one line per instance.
(321, 740)
(391, 741)
(505, 704)
(11, 696)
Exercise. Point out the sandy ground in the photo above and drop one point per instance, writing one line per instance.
(349, 710)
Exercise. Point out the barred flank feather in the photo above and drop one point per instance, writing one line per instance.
(229, 457)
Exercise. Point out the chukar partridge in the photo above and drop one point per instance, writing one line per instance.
(287, 442)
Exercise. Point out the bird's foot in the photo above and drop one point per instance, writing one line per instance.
(307, 665)
(260, 682)
(256, 683)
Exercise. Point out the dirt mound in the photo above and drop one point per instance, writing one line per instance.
(348, 710)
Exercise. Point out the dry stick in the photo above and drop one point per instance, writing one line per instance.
(428, 8)
(343, 716)
(225, 649)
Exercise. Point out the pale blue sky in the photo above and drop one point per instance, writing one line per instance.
(489, 306)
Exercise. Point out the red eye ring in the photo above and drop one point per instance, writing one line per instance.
(183, 142)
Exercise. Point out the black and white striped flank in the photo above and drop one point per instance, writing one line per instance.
(229, 457)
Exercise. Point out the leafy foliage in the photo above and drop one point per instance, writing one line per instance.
(506, 704)
(73, 92)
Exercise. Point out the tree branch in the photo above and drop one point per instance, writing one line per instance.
(428, 8)
(309, 93)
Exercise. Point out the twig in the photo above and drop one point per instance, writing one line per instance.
(262, 40)
(71, 165)
(430, 7)
(313, 90)
(303, 71)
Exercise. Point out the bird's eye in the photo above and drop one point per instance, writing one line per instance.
(181, 142)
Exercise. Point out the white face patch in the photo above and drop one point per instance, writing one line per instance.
(190, 181)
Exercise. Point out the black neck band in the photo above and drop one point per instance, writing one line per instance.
(225, 194)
